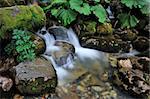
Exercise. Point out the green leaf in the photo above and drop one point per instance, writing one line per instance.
(66, 16)
(55, 12)
(100, 12)
(146, 9)
(127, 20)
(80, 6)
(133, 21)
(97, 0)
(53, 2)
(134, 3)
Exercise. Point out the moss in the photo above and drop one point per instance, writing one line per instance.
(28, 17)
(105, 29)
(38, 86)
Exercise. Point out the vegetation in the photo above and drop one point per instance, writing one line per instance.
(130, 20)
(68, 10)
(22, 44)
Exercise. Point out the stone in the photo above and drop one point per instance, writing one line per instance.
(7, 63)
(66, 53)
(126, 35)
(30, 17)
(35, 77)
(141, 43)
(104, 29)
(5, 83)
(59, 32)
(106, 44)
(132, 74)
(39, 43)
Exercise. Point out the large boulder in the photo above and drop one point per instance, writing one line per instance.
(106, 44)
(30, 17)
(36, 77)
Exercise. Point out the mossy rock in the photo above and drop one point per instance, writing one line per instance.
(24, 17)
(104, 29)
(35, 77)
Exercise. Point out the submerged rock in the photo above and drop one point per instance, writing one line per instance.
(106, 44)
(29, 17)
(36, 77)
(86, 86)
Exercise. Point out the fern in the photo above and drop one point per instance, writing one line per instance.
(22, 44)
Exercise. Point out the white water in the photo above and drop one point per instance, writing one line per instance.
(83, 54)
(49, 40)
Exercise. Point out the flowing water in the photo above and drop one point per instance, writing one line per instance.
(85, 59)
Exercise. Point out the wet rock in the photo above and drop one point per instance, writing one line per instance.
(144, 53)
(39, 43)
(66, 53)
(126, 35)
(59, 32)
(7, 63)
(36, 77)
(30, 17)
(133, 75)
(105, 29)
(106, 44)
(141, 43)
(147, 28)
(85, 28)
(5, 83)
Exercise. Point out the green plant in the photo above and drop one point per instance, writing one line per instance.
(22, 44)
(128, 20)
(67, 10)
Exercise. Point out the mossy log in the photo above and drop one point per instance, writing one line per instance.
(24, 17)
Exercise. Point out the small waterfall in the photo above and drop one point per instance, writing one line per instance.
(61, 72)
(86, 58)
(49, 40)
(81, 52)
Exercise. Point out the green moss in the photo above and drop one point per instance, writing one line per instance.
(39, 86)
(28, 17)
